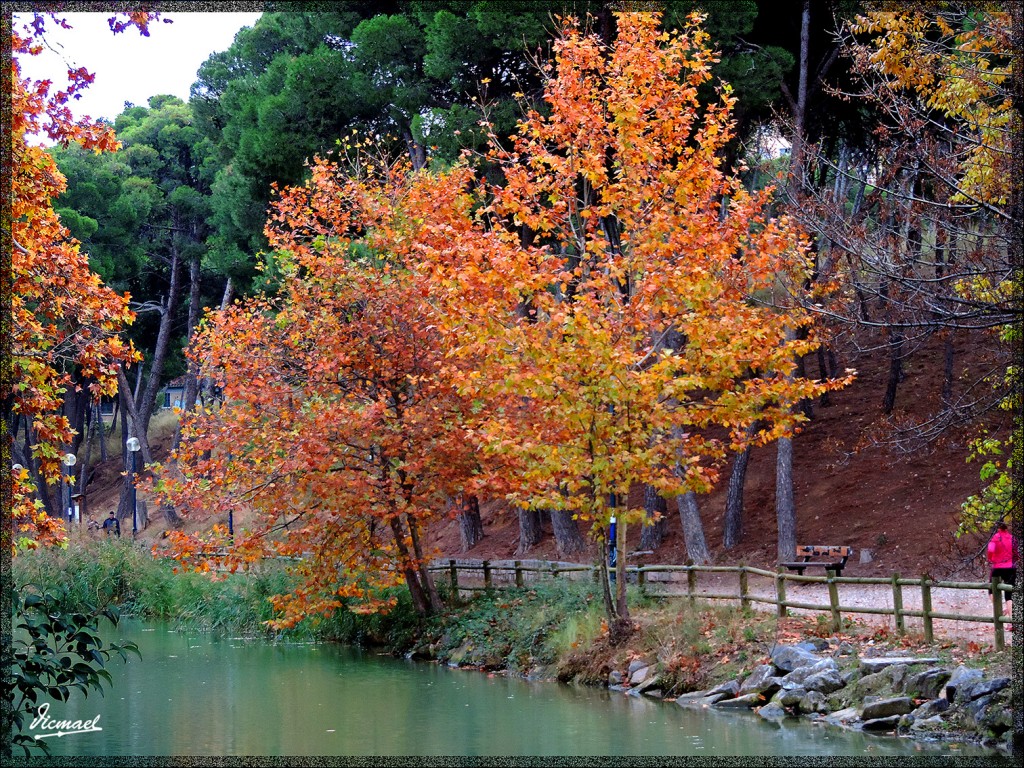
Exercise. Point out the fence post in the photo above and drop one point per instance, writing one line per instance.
(744, 596)
(487, 574)
(780, 593)
(519, 574)
(833, 599)
(926, 609)
(453, 570)
(897, 603)
(997, 613)
(641, 579)
(691, 584)
(554, 571)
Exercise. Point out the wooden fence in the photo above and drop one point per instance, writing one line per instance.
(493, 574)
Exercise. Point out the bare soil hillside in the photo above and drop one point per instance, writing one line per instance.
(894, 506)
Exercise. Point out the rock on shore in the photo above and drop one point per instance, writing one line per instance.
(906, 695)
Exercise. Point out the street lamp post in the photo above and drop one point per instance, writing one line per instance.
(133, 445)
(68, 460)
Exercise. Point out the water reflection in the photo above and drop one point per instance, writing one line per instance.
(194, 694)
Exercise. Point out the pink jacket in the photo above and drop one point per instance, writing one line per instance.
(1000, 550)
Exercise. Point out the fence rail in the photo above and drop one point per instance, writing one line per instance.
(494, 574)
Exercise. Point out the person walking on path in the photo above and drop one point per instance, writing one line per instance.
(1001, 548)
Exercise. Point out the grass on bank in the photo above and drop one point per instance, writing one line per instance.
(551, 629)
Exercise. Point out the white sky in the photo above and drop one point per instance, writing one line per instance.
(128, 66)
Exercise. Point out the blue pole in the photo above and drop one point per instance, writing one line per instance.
(135, 501)
(612, 554)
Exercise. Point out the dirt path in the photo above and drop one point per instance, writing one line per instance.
(966, 602)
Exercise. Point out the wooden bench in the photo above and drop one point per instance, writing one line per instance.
(828, 558)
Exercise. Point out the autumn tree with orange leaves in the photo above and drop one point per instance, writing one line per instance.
(65, 324)
(639, 341)
(340, 435)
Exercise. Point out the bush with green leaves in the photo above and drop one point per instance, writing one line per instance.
(53, 651)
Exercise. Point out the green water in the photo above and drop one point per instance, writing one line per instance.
(197, 694)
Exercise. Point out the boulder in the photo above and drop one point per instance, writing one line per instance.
(927, 684)
(996, 717)
(933, 723)
(813, 644)
(747, 701)
(961, 676)
(686, 699)
(615, 677)
(930, 709)
(636, 665)
(826, 681)
(711, 699)
(970, 691)
(843, 716)
(772, 711)
(877, 663)
(974, 712)
(798, 676)
(651, 684)
(757, 679)
(813, 701)
(728, 689)
(872, 685)
(638, 675)
(890, 723)
(885, 708)
(790, 697)
(786, 658)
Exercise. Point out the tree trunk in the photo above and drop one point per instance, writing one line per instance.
(205, 394)
(797, 149)
(567, 533)
(655, 520)
(163, 340)
(785, 508)
(419, 598)
(825, 400)
(32, 464)
(101, 431)
(417, 152)
(693, 529)
(947, 378)
(192, 376)
(529, 530)
(90, 436)
(76, 404)
(806, 405)
(895, 371)
(471, 527)
(426, 582)
(606, 592)
(125, 500)
(113, 419)
(732, 533)
(620, 629)
(128, 409)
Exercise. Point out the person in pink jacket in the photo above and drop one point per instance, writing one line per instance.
(1000, 558)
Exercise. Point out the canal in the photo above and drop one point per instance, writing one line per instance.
(200, 694)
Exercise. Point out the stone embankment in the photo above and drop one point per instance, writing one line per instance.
(908, 696)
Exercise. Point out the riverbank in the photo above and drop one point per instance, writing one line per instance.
(704, 655)
(866, 677)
